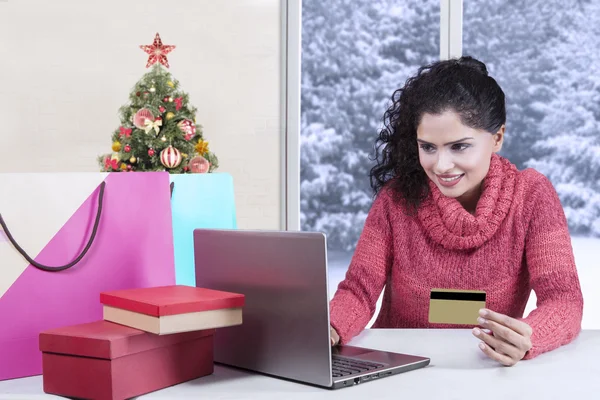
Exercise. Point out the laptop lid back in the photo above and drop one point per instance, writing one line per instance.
(283, 274)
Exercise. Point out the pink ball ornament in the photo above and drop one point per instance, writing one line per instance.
(140, 117)
(199, 165)
(170, 157)
(188, 128)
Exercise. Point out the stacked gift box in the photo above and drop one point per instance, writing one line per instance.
(149, 339)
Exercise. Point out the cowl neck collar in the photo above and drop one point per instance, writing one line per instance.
(453, 227)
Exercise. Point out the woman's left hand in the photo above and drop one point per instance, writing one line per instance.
(511, 338)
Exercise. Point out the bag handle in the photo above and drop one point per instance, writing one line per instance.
(83, 253)
(172, 185)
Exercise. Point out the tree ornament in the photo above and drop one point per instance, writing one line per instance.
(161, 109)
(199, 165)
(127, 148)
(125, 131)
(156, 124)
(170, 157)
(152, 89)
(116, 146)
(170, 99)
(140, 117)
(171, 84)
(132, 160)
(151, 152)
(188, 128)
(201, 147)
(157, 52)
(178, 103)
(137, 94)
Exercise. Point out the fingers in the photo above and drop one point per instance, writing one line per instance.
(513, 324)
(508, 335)
(506, 352)
(494, 355)
(334, 336)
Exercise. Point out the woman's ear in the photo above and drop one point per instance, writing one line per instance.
(498, 139)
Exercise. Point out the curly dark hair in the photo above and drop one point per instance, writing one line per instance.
(460, 85)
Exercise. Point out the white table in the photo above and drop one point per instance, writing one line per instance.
(458, 370)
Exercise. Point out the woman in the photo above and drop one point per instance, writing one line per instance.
(451, 213)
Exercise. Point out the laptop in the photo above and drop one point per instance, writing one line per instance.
(285, 331)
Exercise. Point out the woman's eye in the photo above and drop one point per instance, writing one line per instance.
(460, 146)
(427, 148)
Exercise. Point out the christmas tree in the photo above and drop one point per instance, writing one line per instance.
(158, 130)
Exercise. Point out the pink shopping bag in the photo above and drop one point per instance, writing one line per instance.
(67, 237)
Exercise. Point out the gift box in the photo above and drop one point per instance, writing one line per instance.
(173, 309)
(103, 360)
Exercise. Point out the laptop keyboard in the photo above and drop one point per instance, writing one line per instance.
(348, 366)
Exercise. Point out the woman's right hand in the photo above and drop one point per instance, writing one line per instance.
(335, 338)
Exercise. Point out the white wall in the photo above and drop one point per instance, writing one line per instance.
(66, 66)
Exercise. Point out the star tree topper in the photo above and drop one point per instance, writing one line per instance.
(157, 52)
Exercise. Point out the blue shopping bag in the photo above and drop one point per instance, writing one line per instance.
(198, 201)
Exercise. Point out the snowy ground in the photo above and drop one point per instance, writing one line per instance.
(586, 257)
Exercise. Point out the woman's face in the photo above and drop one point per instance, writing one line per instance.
(455, 157)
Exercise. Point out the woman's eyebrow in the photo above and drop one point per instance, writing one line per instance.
(454, 142)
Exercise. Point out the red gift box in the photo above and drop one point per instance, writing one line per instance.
(166, 310)
(103, 360)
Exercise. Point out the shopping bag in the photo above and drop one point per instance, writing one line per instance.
(67, 237)
(198, 201)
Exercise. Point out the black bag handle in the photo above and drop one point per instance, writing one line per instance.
(74, 262)
(172, 185)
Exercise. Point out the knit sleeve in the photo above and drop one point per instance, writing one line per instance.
(354, 302)
(556, 320)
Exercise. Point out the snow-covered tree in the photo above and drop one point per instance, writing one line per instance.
(355, 54)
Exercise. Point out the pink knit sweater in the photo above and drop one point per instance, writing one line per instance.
(517, 241)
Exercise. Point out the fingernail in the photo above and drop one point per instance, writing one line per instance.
(483, 312)
(482, 346)
(476, 331)
(481, 320)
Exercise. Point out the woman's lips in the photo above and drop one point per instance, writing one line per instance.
(449, 180)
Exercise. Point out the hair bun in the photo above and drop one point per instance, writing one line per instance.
(473, 63)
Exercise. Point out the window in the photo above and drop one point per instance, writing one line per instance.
(355, 53)
(545, 57)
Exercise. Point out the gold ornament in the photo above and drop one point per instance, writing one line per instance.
(123, 166)
(170, 115)
(116, 146)
(132, 160)
(201, 147)
(164, 138)
(171, 84)
(184, 155)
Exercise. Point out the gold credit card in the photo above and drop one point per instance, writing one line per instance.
(452, 306)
